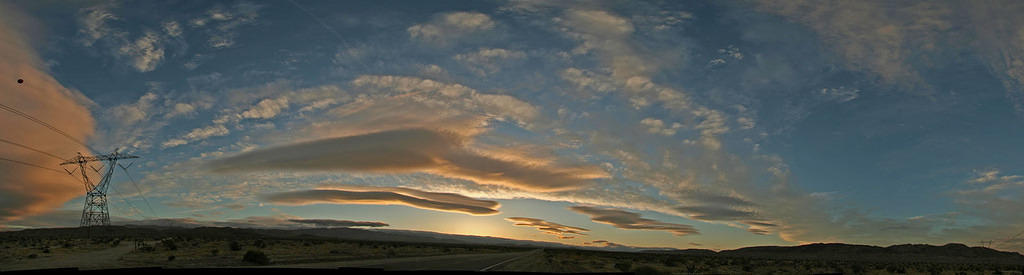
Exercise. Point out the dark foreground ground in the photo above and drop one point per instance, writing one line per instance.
(151, 251)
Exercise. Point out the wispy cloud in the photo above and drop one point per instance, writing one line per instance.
(143, 51)
(410, 150)
(198, 134)
(488, 60)
(559, 230)
(629, 220)
(450, 26)
(383, 195)
(220, 22)
(338, 223)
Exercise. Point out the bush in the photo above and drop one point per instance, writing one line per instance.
(235, 246)
(624, 267)
(256, 257)
(169, 244)
(647, 270)
(260, 244)
(33, 256)
(214, 252)
(170, 258)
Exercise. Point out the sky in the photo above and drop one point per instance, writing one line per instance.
(683, 124)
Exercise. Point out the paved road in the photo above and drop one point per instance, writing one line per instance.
(470, 262)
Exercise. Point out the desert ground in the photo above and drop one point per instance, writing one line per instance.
(200, 248)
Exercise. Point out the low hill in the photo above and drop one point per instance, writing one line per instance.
(949, 253)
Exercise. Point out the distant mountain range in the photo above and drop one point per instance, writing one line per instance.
(949, 253)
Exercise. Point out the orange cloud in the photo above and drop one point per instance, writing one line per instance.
(630, 220)
(27, 190)
(412, 150)
(562, 231)
(448, 202)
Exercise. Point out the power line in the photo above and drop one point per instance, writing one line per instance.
(47, 125)
(32, 165)
(151, 211)
(140, 213)
(31, 149)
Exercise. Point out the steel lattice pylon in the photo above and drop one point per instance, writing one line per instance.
(95, 211)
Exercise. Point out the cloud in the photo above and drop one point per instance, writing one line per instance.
(277, 221)
(425, 103)
(992, 175)
(629, 220)
(172, 29)
(145, 53)
(267, 108)
(488, 60)
(716, 213)
(338, 223)
(448, 202)
(606, 243)
(873, 35)
(657, 126)
(608, 34)
(94, 21)
(450, 26)
(219, 23)
(410, 150)
(26, 190)
(198, 134)
(559, 230)
(141, 110)
(841, 94)
(611, 37)
(181, 109)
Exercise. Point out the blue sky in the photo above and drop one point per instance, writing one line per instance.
(669, 124)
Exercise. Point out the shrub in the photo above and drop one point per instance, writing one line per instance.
(170, 258)
(214, 252)
(260, 244)
(256, 257)
(235, 246)
(33, 256)
(169, 244)
(624, 267)
(647, 270)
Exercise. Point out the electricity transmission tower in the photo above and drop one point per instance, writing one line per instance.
(95, 211)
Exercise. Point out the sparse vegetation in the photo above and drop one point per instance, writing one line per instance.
(169, 244)
(228, 247)
(647, 270)
(235, 246)
(624, 266)
(256, 257)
